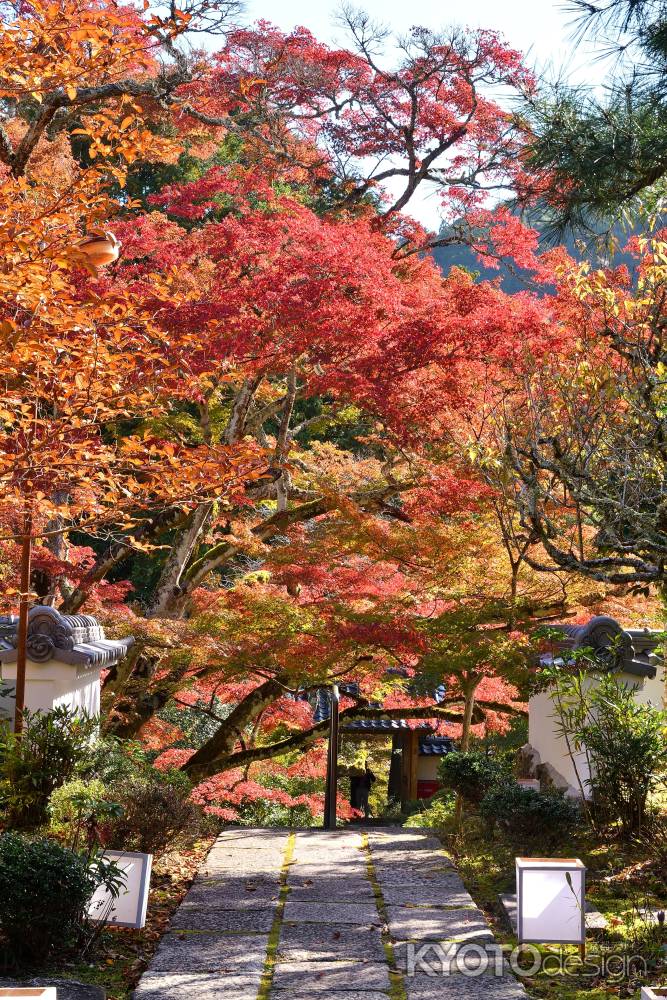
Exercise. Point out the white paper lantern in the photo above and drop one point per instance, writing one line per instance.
(129, 909)
(653, 992)
(18, 992)
(551, 894)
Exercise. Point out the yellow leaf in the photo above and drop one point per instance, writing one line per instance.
(71, 92)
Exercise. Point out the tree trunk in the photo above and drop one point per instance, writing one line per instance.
(464, 743)
(167, 598)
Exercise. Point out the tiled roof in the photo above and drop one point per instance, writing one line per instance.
(634, 651)
(381, 725)
(322, 710)
(75, 639)
(435, 746)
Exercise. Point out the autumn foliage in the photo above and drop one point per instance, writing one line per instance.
(263, 423)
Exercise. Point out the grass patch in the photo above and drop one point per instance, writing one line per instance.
(621, 881)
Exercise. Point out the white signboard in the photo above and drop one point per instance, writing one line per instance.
(551, 899)
(129, 909)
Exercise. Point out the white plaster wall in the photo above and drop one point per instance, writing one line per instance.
(544, 736)
(652, 691)
(427, 768)
(51, 684)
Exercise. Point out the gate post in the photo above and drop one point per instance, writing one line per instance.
(332, 762)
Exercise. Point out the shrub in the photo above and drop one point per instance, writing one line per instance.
(44, 892)
(78, 810)
(654, 842)
(622, 741)
(472, 773)
(627, 744)
(153, 811)
(437, 813)
(71, 799)
(115, 760)
(52, 745)
(526, 817)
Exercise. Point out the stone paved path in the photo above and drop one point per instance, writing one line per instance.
(275, 914)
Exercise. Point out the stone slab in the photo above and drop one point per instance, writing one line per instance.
(197, 986)
(246, 858)
(451, 894)
(407, 924)
(207, 952)
(594, 920)
(235, 868)
(417, 859)
(329, 942)
(310, 891)
(329, 838)
(254, 919)
(251, 837)
(436, 882)
(435, 958)
(67, 989)
(325, 978)
(219, 895)
(327, 913)
(402, 839)
(461, 987)
(329, 868)
(338, 994)
(240, 883)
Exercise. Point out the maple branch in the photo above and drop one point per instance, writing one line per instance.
(204, 765)
(274, 525)
(222, 742)
(159, 88)
(165, 521)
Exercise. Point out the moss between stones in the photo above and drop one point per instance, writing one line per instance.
(274, 934)
(397, 989)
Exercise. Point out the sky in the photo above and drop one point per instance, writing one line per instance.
(541, 29)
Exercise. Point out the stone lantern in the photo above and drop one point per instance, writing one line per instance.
(65, 657)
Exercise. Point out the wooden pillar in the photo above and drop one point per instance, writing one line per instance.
(409, 766)
(414, 750)
(394, 788)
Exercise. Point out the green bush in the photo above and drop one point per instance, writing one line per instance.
(153, 811)
(472, 774)
(621, 740)
(626, 742)
(51, 747)
(69, 801)
(528, 818)
(114, 760)
(78, 811)
(44, 892)
(437, 813)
